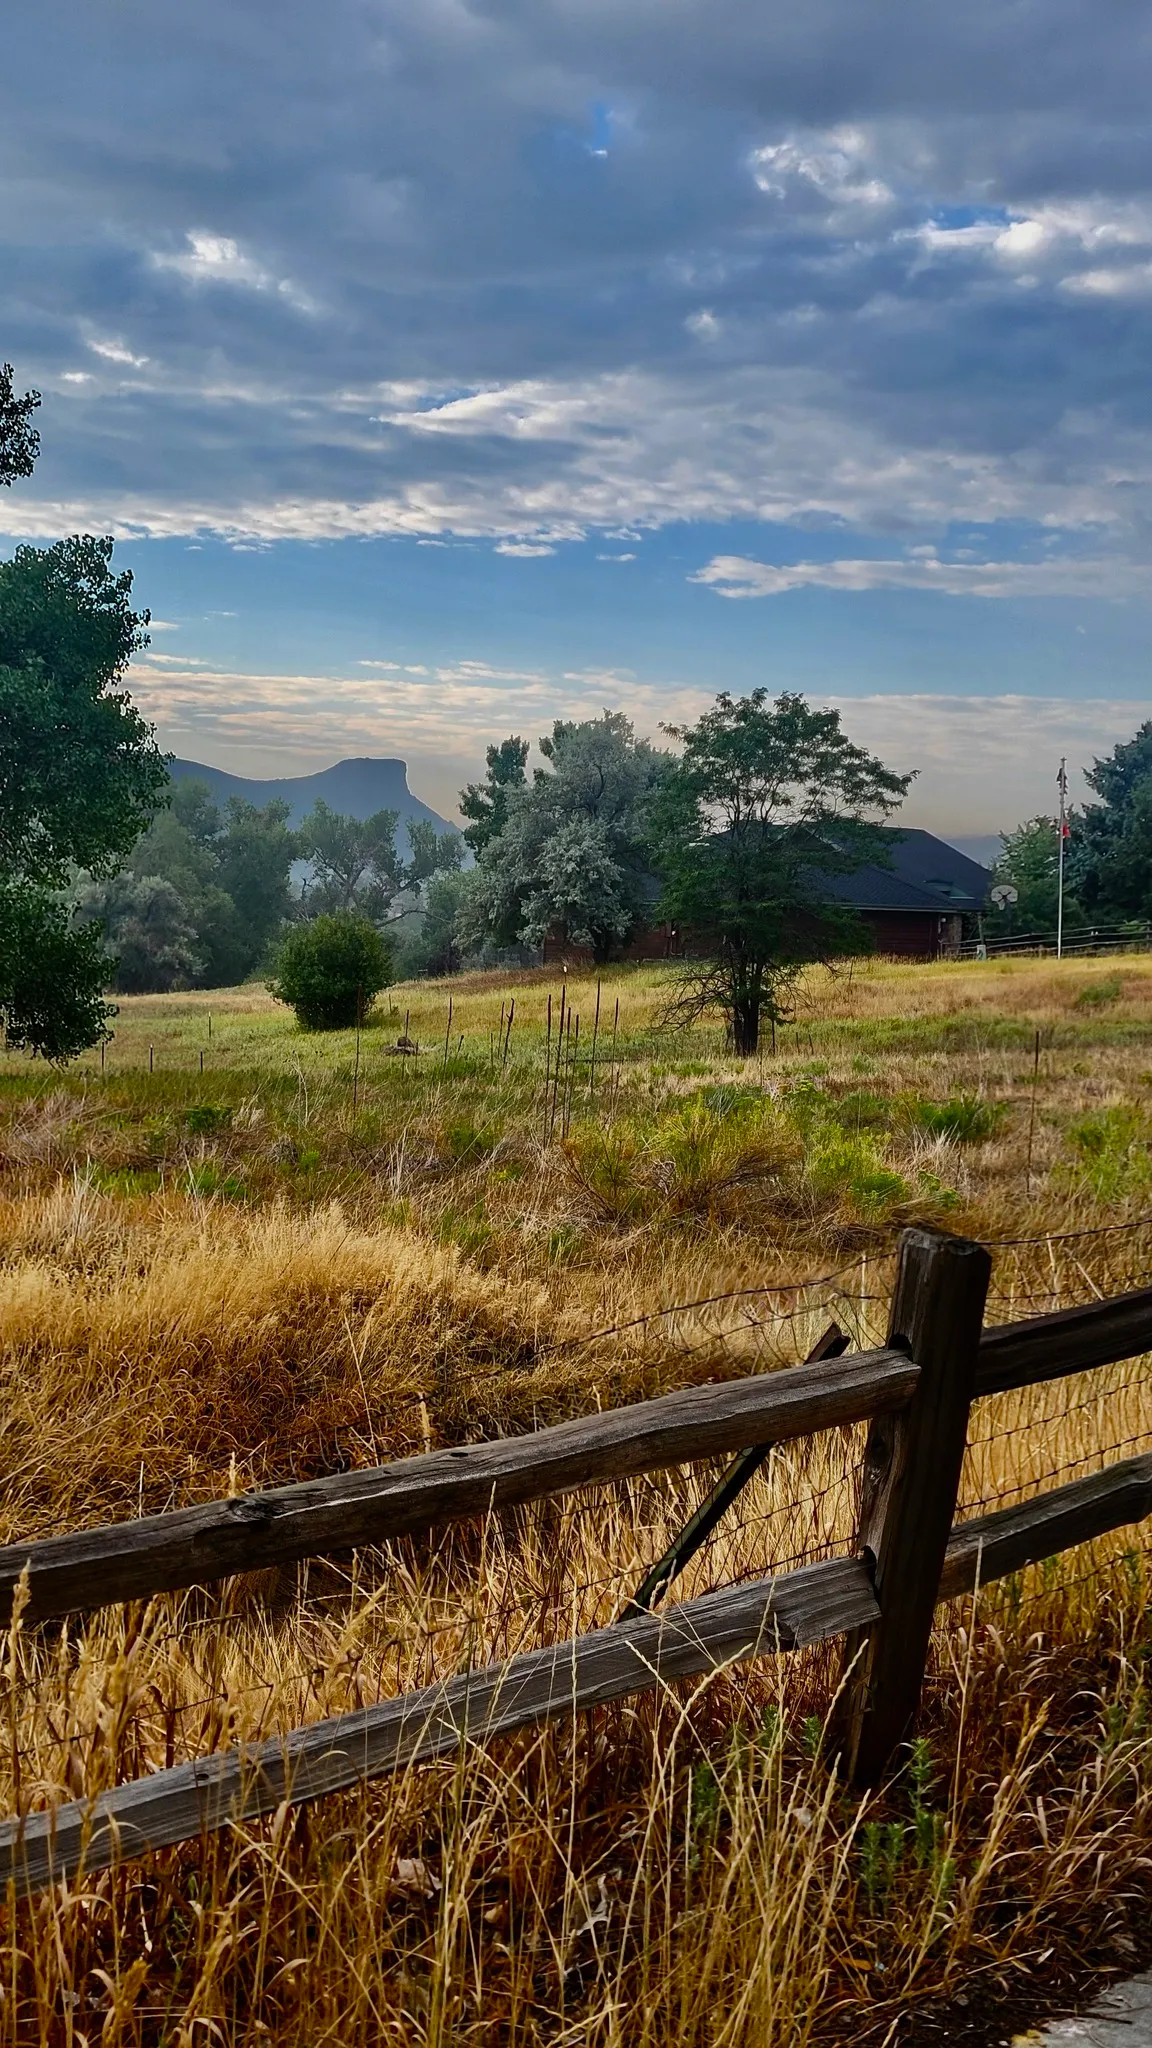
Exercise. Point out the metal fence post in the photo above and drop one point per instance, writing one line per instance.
(912, 1469)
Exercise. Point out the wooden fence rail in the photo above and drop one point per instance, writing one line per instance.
(915, 1394)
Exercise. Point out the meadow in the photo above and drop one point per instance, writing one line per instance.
(232, 1254)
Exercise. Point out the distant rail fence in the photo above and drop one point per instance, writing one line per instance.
(1135, 936)
(915, 1393)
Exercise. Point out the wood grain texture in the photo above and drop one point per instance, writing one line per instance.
(755, 1619)
(994, 1545)
(1073, 1340)
(132, 1560)
(912, 1465)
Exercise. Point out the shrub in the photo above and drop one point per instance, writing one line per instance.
(964, 1119)
(331, 970)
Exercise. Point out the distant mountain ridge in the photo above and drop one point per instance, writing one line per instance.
(357, 788)
(983, 847)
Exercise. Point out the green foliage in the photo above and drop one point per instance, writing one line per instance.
(1100, 995)
(354, 861)
(768, 806)
(1029, 862)
(147, 922)
(485, 804)
(201, 897)
(964, 1118)
(206, 1117)
(1110, 850)
(79, 770)
(1111, 1152)
(851, 1169)
(19, 441)
(52, 976)
(331, 969)
(569, 859)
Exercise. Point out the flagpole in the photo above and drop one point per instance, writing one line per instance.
(1062, 786)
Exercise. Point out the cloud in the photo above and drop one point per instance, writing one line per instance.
(524, 548)
(737, 576)
(117, 352)
(983, 762)
(569, 268)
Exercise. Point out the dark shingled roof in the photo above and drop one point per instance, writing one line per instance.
(926, 874)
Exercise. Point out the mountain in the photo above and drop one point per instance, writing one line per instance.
(357, 788)
(982, 847)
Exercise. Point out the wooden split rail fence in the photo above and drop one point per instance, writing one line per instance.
(915, 1394)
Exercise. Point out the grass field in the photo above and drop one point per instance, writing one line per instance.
(235, 1254)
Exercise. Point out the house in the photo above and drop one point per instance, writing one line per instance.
(913, 909)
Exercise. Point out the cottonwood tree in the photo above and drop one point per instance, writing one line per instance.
(569, 860)
(769, 803)
(356, 865)
(80, 775)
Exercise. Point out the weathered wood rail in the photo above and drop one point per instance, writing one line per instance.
(915, 1393)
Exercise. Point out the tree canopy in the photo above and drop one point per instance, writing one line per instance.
(80, 775)
(569, 859)
(19, 441)
(768, 804)
(485, 804)
(1110, 846)
(1029, 863)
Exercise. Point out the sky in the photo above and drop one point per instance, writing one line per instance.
(445, 369)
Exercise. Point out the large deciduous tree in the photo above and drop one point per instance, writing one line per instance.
(1110, 847)
(80, 775)
(768, 805)
(485, 804)
(569, 860)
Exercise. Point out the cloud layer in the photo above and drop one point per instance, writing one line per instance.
(534, 272)
(981, 762)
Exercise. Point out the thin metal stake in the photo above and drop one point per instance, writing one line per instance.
(1032, 1111)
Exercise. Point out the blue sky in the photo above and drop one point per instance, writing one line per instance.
(442, 370)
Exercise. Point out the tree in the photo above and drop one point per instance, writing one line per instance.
(147, 924)
(356, 865)
(486, 803)
(767, 806)
(79, 777)
(1029, 863)
(1109, 860)
(254, 854)
(569, 861)
(331, 969)
(19, 441)
(53, 973)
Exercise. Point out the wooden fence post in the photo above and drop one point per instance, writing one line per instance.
(912, 1468)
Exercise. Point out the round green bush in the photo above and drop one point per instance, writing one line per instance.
(331, 969)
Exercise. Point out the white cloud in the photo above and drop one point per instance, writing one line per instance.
(738, 576)
(983, 762)
(524, 548)
(209, 258)
(637, 449)
(117, 352)
(76, 377)
(616, 558)
(704, 324)
(835, 163)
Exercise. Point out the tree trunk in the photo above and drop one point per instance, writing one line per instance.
(746, 1024)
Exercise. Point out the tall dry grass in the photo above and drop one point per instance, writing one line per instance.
(299, 1290)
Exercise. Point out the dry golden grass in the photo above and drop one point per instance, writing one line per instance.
(188, 1305)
